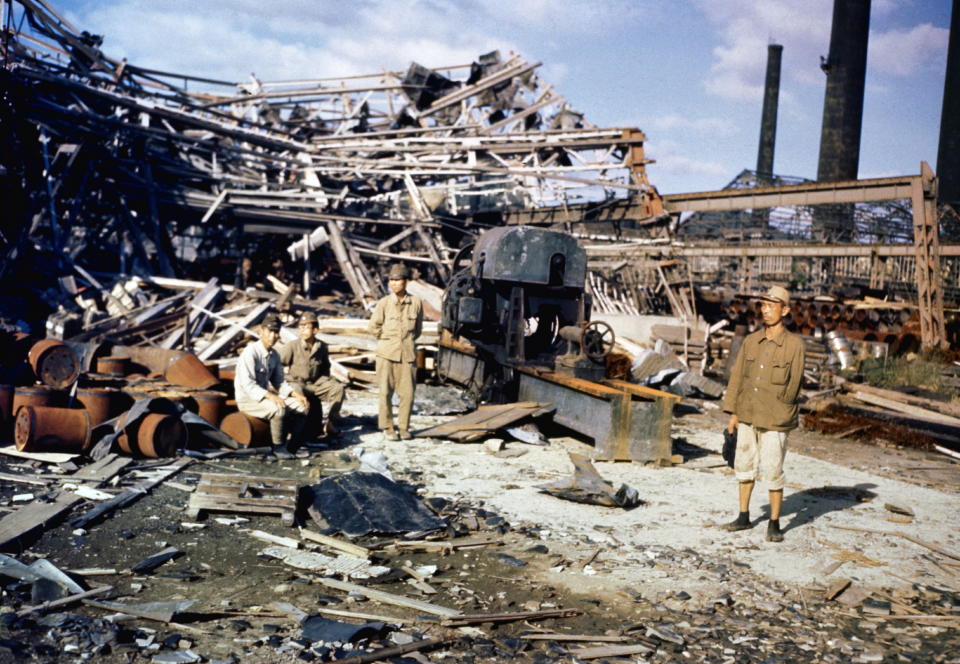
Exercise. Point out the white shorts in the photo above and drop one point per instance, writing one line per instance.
(760, 456)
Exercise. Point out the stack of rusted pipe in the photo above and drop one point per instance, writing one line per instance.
(897, 327)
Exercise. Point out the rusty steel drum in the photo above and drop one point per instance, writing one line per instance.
(247, 430)
(155, 435)
(188, 370)
(210, 405)
(113, 364)
(36, 395)
(102, 403)
(54, 363)
(48, 429)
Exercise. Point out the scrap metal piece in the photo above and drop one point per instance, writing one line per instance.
(587, 486)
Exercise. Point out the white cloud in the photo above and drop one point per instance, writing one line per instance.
(672, 160)
(904, 52)
(708, 126)
(746, 28)
(228, 39)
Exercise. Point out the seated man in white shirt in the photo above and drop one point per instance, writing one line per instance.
(262, 392)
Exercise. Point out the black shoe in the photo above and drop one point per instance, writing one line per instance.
(736, 525)
(774, 534)
(281, 452)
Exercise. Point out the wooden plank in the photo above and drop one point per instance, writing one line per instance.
(612, 651)
(479, 618)
(20, 479)
(334, 543)
(201, 501)
(390, 598)
(487, 418)
(226, 337)
(898, 406)
(102, 470)
(195, 319)
(130, 495)
(43, 457)
(34, 516)
(63, 601)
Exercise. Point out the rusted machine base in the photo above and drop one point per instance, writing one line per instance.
(627, 422)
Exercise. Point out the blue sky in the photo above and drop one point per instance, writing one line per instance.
(689, 73)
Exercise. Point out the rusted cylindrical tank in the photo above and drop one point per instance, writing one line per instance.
(47, 429)
(155, 435)
(54, 363)
(36, 395)
(102, 403)
(190, 371)
(113, 364)
(210, 405)
(246, 430)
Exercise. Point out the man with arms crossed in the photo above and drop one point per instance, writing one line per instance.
(761, 398)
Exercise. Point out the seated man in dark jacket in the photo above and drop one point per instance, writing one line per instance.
(306, 363)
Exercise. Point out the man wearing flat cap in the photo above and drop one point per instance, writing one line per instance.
(396, 322)
(262, 392)
(761, 398)
(306, 363)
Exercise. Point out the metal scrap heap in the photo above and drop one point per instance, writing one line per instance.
(111, 167)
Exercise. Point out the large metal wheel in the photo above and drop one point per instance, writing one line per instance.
(596, 341)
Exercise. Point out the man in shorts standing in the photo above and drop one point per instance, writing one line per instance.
(761, 398)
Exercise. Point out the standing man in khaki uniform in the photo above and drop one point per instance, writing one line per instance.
(396, 323)
(761, 398)
(306, 363)
(262, 392)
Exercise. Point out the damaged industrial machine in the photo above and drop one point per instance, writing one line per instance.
(517, 326)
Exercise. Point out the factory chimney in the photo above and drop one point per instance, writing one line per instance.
(846, 69)
(768, 117)
(948, 155)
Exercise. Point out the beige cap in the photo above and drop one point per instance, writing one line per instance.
(399, 271)
(777, 294)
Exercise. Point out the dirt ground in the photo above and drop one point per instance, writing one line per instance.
(661, 573)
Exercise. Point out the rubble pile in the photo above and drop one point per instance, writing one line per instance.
(110, 167)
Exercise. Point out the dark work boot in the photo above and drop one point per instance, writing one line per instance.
(742, 522)
(774, 534)
(278, 435)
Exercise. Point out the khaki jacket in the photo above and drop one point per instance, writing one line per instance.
(302, 364)
(765, 381)
(395, 324)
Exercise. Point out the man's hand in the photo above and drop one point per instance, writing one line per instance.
(275, 398)
(733, 422)
(302, 398)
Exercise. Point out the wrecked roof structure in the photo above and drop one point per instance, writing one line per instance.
(114, 167)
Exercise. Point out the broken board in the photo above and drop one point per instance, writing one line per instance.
(36, 515)
(246, 494)
(486, 419)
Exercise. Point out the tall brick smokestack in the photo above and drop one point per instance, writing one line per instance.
(846, 70)
(948, 155)
(768, 117)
